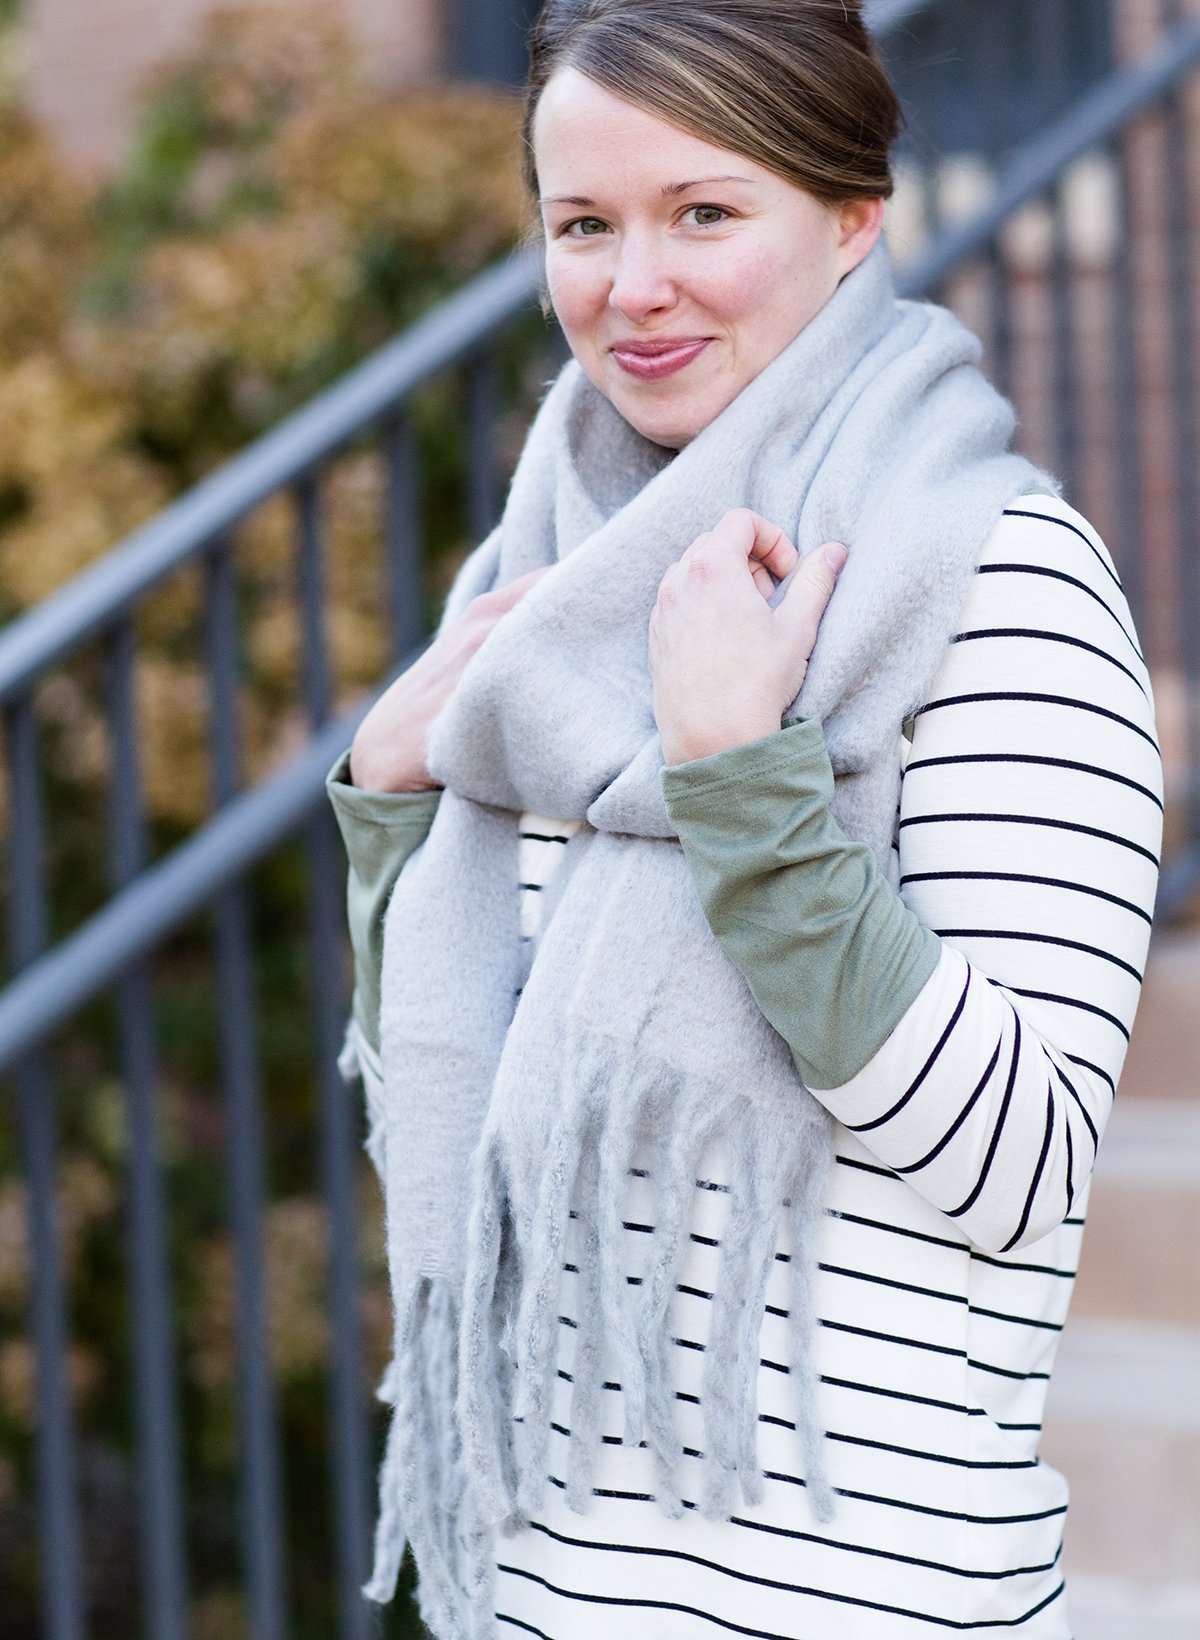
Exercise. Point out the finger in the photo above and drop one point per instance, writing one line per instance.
(812, 586)
(512, 591)
(763, 581)
(746, 531)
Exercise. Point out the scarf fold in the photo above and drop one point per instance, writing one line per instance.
(500, 1114)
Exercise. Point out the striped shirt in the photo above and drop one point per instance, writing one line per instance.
(1028, 832)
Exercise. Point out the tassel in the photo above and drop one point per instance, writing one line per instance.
(679, 1150)
(618, 1300)
(806, 1384)
(410, 1508)
(484, 1426)
(728, 1318)
(774, 1164)
(537, 1322)
(586, 1393)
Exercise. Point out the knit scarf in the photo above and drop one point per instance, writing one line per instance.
(519, 1078)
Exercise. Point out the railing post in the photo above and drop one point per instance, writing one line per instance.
(57, 1496)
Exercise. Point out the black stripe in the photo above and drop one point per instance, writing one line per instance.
(865, 1127)
(1098, 1070)
(1026, 877)
(903, 1230)
(833, 1435)
(1040, 939)
(503, 1617)
(1001, 1118)
(1041, 700)
(1083, 1110)
(1031, 1196)
(1007, 1372)
(1071, 1002)
(1021, 1320)
(1035, 820)
(739, 1628)
(1017, 512)
(796, 1535)
(1050, 637)
(915, 1167)
(1029, 757)
(1070, 1159)
(1061, 575)
(545, 837)
(1026, 1269)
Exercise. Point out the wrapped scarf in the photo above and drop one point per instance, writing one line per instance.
(498, 1115)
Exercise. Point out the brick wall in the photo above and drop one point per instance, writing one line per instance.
(85, 59)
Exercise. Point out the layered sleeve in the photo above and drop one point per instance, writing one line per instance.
(379, 830)
(969, 1026)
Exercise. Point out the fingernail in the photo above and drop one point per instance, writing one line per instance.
(835, 555)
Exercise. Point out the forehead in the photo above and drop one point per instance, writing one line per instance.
(581, 127)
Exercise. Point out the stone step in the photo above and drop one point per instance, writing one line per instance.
(1123, 1425)
(1138, 1260)
(1163, 1061)
(1112, 1608)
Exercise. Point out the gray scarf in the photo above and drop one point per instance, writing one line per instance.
(499, 1115)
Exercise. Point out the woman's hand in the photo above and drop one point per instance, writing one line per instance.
(388, 752)
(724, 664)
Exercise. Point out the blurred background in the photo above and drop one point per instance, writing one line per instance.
(268, 348)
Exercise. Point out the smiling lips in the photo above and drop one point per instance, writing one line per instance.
(649, 361)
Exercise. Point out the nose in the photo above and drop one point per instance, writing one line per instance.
(641, 282)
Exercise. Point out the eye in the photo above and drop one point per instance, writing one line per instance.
(565, 230)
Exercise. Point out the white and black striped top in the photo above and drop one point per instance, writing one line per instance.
(1028, 832)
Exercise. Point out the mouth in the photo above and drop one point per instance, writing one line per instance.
(653, 366)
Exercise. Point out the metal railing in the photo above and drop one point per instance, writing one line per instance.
(113, 950)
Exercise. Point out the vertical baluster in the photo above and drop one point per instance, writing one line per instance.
(1000, 315)
(57, 1499)
(1045, 34)
(1130, 547)
(160, 1493)
(338, 1148)
(403, 538)
(257, 1422)
(483, 490)
(1183, 409)
(1065, 407)
(930, 173)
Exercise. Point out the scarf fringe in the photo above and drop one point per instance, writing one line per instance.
(426, 1502)
(508, 1348)
(471, 1378)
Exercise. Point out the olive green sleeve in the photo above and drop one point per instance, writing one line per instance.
(380, 831)
(831, 953)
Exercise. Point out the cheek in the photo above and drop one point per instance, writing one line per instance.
(578, 294)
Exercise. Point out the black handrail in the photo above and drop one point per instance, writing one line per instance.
(99, 595)
(57, 983)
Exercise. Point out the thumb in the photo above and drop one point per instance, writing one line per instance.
(812, 583)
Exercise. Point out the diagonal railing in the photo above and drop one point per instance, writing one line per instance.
(112, 950)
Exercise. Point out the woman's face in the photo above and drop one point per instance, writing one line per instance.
(631, 256)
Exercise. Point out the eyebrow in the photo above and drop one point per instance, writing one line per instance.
(667, 190)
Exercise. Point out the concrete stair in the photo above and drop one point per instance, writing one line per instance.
(1123, 1408)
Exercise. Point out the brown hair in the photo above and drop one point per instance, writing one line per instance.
(794, 85)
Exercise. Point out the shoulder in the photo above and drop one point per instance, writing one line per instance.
(1047, 533)
(1045, 564)
(1046, 627)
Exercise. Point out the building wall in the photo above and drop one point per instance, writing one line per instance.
(85, 60)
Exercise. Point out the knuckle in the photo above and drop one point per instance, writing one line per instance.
(702, 565)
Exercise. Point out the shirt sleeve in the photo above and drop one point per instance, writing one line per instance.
(380, 830)
(1029, 832)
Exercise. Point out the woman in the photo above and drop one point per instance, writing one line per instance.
(961, 1011)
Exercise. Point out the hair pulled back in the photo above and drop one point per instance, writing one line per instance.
(794, 85)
